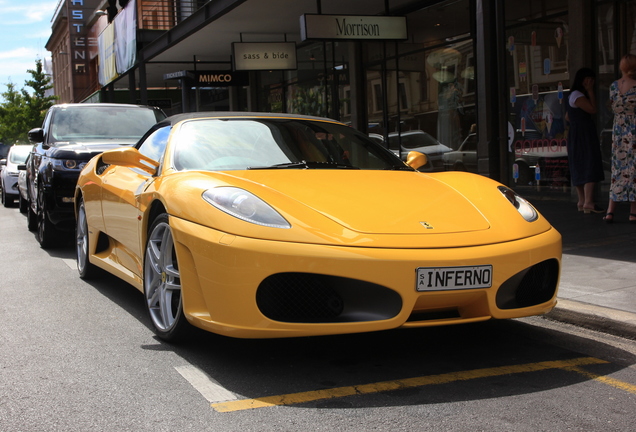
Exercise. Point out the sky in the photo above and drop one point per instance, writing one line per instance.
(25, 27)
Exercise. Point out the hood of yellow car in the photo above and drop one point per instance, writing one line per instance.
(376, 202)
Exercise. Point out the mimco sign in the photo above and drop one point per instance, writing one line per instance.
(314, 26)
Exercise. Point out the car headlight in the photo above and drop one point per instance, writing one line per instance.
(245, 206)
(68, 164)
(523, 207)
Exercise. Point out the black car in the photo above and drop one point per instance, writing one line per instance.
(69, 137)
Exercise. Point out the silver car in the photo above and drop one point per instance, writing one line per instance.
(419, 141)
(9, 174)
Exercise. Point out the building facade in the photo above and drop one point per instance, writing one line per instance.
(486, 81)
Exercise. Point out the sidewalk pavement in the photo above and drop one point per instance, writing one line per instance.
(598, 275)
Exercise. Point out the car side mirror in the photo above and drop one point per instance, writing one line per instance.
(36, 135)
(416, 160)
(131, 158)
(22, 167)
(3, 162)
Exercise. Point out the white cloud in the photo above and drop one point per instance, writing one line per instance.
(17, 53)
(15, 64)
(16, 72)
(26, 13)
(44, 34)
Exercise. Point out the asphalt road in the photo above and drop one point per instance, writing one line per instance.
(78, 356)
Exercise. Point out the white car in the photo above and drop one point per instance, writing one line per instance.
(9, 174)
(420, 141)
(464, 158)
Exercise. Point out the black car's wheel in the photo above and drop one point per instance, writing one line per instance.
(84, 267)
(32, 218)
(46, 232)
(23, 204)
(5, 201)
(162, 282)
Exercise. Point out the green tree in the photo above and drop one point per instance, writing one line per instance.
(22, 111)
(37, 103)
(13, 122)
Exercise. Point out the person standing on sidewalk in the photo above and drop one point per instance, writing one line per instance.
(584, 148)
(623, 99)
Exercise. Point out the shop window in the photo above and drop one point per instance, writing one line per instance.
(538, 80)
(346, 102)
(616, 36)
(404, 101)
(378, 97)
(430, 84)
(468, 75)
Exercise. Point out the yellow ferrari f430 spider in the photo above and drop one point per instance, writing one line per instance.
(258, 225)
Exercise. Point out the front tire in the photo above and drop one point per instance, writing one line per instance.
(85, 269)
(47, 234)
(23, 204)
(162, 282)
(32, 218)
(6, 201)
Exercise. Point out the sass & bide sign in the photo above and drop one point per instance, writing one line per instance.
(263, 56)
(313, 26)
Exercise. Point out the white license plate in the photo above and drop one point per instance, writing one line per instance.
(453, 278)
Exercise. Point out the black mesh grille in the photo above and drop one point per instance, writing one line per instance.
(532, 286)
(538, 285)
(314, 298)
(295, 297)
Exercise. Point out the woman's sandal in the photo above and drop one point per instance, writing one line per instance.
(609, 218)
(595, 209)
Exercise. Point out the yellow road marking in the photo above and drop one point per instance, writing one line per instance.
(309, 396)
(605, 380)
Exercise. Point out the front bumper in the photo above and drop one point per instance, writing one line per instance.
(11, 185)
(59, 196)
(253, 288)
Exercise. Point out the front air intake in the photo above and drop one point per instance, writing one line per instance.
(315, 298)
(530, 287)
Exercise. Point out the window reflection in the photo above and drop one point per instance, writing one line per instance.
(538, 79)
(425, 89)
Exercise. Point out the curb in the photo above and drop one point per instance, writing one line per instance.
(606, 320)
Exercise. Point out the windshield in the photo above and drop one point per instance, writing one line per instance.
(18, 154)
(102, 122)
(238, 144)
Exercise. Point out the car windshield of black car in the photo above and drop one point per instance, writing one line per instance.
(102, 123)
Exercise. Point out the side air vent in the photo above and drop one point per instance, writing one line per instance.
(530, 287)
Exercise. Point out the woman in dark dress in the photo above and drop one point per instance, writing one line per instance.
(584, 148)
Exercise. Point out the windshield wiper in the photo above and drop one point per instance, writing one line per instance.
(306, 165)
(288, 165)
(399, 168)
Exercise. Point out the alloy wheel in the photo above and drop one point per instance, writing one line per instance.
(162, 281)
(84, 266)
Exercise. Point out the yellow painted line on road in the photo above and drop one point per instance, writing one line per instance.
(631, 388)
(309, 396)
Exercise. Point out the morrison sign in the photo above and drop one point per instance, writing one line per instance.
(313, 26)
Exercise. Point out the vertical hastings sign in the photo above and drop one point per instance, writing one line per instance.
(313, 26)
(78, 13)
